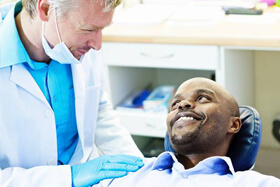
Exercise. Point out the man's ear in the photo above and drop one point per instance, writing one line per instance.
(43, 7)
(235, 125)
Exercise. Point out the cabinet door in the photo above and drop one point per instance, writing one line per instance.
(144, 124)
(162, 56)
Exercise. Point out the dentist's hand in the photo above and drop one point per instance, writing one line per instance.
(104, 167)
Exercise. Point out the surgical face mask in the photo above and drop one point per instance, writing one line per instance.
(60, 52)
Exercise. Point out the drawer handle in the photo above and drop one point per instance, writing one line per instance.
(156, 55)
(148, 124)
(152, 125)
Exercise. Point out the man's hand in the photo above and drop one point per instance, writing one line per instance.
(104, 167)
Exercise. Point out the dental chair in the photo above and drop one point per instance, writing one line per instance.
(246, 143)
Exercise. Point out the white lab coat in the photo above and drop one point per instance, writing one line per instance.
(28, 145)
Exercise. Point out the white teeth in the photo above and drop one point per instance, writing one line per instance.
(185, 118)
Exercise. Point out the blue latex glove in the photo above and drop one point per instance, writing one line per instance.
(104, 167)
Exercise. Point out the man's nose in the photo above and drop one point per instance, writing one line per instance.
(186, 104)
(95, 42)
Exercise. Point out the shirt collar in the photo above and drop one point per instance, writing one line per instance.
(4, 9)
(220, 165)
(164, 161)
(12, 50)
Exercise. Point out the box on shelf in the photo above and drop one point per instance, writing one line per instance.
(158, 100)
(134, 102)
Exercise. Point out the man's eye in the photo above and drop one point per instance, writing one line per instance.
(203, 98)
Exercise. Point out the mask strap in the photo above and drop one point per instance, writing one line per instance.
(55, 20)
(43, 29)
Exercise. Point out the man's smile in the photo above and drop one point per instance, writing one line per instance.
(186, 118)
(184, 121)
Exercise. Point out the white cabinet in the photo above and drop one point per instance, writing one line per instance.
(132, 66)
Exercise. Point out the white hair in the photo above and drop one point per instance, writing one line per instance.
(64, 6)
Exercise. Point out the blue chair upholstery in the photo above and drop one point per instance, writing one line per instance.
(246, 143)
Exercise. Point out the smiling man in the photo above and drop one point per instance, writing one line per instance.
(55, 118)
(202, 121)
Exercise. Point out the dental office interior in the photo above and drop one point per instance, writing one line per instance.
(153, 46)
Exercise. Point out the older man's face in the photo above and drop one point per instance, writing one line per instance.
(198, 117)
(81, 29)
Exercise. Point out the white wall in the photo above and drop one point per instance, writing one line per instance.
(267, 92)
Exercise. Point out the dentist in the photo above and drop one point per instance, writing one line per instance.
(55, 118)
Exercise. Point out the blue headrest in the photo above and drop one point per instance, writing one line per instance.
(246, 143)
